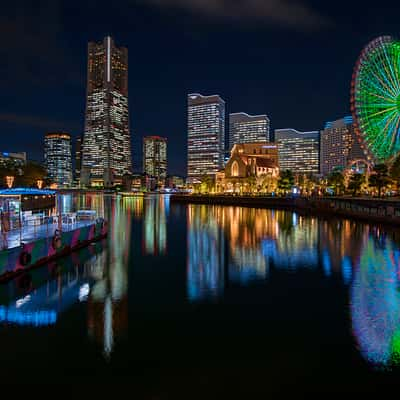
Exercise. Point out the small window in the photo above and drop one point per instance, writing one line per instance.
(235, 169)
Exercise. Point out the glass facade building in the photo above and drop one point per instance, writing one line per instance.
(340, 145)
(206, 135)
(245, 128)
(78, 158)
(155, 158)
(106, 154)
(298, 151)
(58, 158)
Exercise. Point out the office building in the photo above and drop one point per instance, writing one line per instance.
(340, 145)
(106, 155)
(78, 158)
(58, 158)
(245, 128)
(155, 158)
(206, 136)
(298, 151)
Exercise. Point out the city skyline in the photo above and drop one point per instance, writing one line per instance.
(272, 78)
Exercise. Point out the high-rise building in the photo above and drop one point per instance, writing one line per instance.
(340, 145)
(58, 158)
(298, 151)
(245, 128)
(206, 135)
(155, 158)
(106, 155)
(78, 158)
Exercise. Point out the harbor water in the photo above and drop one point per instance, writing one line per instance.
(203, 301)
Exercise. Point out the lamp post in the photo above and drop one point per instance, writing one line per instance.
(9, 181)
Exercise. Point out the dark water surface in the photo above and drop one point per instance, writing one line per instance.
(209, 301)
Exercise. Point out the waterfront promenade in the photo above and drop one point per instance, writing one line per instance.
(369, 209)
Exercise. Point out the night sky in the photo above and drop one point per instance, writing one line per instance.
(292, 60)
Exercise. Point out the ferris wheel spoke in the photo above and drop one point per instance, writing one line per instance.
(378, 87)
(394, 75)
(388, 69)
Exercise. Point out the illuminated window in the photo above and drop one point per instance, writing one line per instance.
(235, 169)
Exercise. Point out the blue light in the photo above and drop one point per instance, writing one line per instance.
(5, 154)
(26, 192)
(326, 263)
(35, 318)
(346, 269)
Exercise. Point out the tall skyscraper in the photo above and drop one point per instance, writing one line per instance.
(245, 128)
(78, 158)
(340, 145)
(155, 158)
(298, 151)
(106, 155)
(57, 157)
(206, 135)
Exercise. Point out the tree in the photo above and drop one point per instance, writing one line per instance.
(336, 180)
(31, 173)
(251, 183)
(286, 180)
(355, 183)
(207, 183)
(379, 177)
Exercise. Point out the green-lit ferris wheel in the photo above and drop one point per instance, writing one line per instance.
(375, 99)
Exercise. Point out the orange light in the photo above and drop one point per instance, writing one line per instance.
(39, 183)
(9, 181)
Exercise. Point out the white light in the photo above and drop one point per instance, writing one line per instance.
(84, 292)
(22, 301)
(108, 58)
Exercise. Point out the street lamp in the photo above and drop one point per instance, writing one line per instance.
(9, 181)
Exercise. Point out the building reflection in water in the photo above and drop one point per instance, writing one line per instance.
(243, 245)
(38, 297)
(205, 252)
(375, 300)
(97, 274)
(154, 237)
(108, 300)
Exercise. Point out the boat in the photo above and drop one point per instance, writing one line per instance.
(34, 232)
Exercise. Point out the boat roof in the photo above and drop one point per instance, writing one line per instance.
(26, 192)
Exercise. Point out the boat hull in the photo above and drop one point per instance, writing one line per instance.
(30, 255)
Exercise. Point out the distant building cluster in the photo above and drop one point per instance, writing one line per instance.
(249, 153)
(307, 154)
(14, 160)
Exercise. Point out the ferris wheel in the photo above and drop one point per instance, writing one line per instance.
(375, 98)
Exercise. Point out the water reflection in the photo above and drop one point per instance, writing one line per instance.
(206, 245)
(97, 275)
(233, 245)
(375, 300)
(260, 240)
(155, 225)
(38, 297)
(108, 300)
